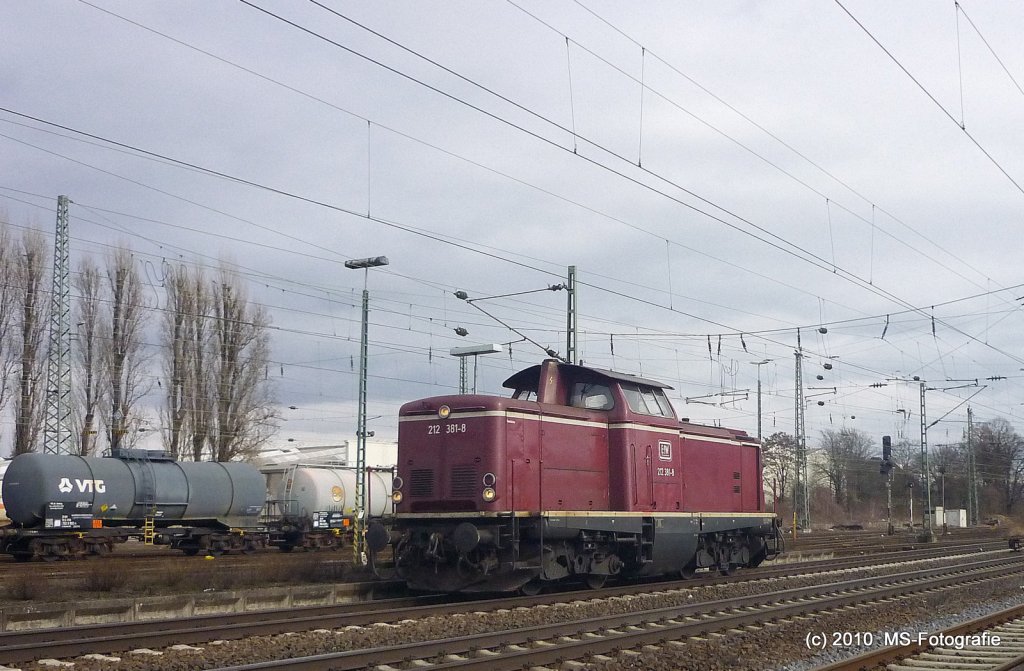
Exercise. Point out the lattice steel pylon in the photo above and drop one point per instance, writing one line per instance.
(801, 492)
(57, 422)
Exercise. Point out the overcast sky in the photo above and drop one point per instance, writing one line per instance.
(721, 174)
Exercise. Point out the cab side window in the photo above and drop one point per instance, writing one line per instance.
(591, 396)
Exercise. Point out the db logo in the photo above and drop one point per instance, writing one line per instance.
(66, 486)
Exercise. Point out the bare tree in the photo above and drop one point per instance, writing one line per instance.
(124, 363)
(186, 409)
(88, 285)
(30, 267)
(846, 459)
(8, 308)
(1000, 457)
(198, 391)
(778, 452)
(241, 352)
(907, 456)
(176, 367)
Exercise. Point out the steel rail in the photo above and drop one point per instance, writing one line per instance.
(552, 644)
(20, 646)
(924, 653)
(101, 637)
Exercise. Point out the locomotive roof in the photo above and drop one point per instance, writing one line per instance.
(528, 378)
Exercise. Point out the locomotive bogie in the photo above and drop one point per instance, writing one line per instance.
(507, 552)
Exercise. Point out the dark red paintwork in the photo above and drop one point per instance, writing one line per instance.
(547, 455)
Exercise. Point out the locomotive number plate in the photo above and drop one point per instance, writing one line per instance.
(670, 472)
(438, 429)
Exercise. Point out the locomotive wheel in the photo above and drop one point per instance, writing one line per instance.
(23, 556)
(687, 571)
(594, 581)
(532, 588)
(728, 569)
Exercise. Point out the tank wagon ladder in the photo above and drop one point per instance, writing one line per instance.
(149, 530)
(147, 499)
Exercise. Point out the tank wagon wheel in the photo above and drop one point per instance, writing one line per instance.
(101, 549)
(190, 552)
(286, 547)
(727, 569)
(595, 581)
(47, 553)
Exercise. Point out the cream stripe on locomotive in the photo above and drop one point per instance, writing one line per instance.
(582, 513)
(570, 421)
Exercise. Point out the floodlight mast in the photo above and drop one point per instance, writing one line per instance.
(474, 351)
(358, 546)
(371, 262)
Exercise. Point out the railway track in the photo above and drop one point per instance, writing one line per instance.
(596, 638)
(536, 645)
(854, 541)
(994, 642)
(765, 573)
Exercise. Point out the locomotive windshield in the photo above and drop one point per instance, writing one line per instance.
(647, 400)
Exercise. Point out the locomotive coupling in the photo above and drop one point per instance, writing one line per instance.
(379, 537)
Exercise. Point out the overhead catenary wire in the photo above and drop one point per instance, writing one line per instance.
(235, 65)
(912, 248)
(767, 237)
(670, 291)
(928, 93)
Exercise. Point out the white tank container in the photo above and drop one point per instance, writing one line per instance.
(305, 490)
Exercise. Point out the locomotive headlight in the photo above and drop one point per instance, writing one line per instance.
(489, 494)
(396, 496)
(444, 411)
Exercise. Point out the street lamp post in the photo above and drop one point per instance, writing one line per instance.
(358, 546)
(942, 475)
(759, 364)
(927, 533)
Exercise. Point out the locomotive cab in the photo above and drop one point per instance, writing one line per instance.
(581, 474)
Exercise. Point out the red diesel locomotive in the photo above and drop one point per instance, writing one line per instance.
(582, 474)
